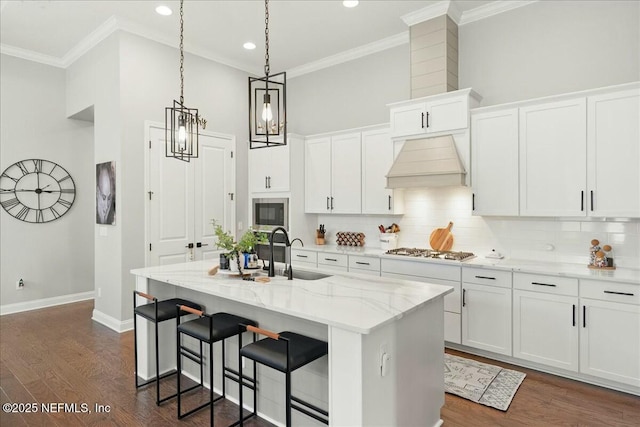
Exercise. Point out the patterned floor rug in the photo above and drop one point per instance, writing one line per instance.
(480, 382)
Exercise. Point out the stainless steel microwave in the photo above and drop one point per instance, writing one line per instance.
(270, 213)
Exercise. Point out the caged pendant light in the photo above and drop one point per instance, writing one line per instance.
(181, 123)
(267, 102)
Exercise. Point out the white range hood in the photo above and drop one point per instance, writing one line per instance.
(427, 162)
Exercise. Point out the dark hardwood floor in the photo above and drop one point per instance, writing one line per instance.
(59, 355)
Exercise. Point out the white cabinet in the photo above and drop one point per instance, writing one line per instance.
(304, 258)
(333, 174)
(269, 169)
(432, 114)
(364, 265)
(486, 310)
(613, 154)
(610, 331)
(545, 320)
(553, 159)
(439, 274)
(378, 153)
(494, 156)
(329, 261)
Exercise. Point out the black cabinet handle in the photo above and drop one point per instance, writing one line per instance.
(422, 120)
(584, 316)
(473, 201)
(574, 315)
(269, 181)
(200, 244)
(190, 246)
(389, 202)
(332, 203)
(302, 256)
(362, 263)
(627, 294)
(591, 200)
(544, 284)
(464, 297)
(427, 119)
(331, 259)
(327, 203)
(582, 201)
(266, 182)
(485, 277)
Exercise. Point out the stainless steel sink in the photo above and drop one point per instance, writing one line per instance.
(308, 275)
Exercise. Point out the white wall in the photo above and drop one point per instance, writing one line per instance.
(550, 47)
(54, 259)
(348, 95)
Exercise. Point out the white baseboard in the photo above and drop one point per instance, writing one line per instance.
(111, 322)
(45, 302)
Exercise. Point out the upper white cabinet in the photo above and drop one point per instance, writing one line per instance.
(438, 113)
(553, 158)
(269, 169)
(377, 156)
(613, 154)
(333, 174)
(494, 169)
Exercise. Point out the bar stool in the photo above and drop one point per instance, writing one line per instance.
(156, 312)
(211, 328)
(286, 352)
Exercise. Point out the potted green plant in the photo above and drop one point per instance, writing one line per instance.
(235, 250)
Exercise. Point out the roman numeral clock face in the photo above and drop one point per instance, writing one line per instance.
(36, 190)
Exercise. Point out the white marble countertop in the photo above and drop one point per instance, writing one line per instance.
(358, 303)
(578, 271)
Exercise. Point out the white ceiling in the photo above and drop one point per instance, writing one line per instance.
(301, 32)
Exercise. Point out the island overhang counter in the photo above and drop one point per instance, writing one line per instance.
(386, 338)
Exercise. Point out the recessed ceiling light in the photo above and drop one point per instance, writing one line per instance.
(249, 46)
(164, 10)
(350, 3)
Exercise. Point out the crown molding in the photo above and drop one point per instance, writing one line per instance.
(107, 28)
(491, 9)
(429, 12)
(350, 55)
(30, 55)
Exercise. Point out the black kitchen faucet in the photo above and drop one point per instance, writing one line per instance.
(289, 270)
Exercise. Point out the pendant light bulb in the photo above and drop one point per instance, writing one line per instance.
(182, 134)
(267, 113)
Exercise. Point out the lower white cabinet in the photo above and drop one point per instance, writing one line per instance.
(304, 258)
(333, 262)
(486, 317)
(545, 328)
(610, 331)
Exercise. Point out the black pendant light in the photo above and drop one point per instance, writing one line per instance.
(181, 123)
(267, 102)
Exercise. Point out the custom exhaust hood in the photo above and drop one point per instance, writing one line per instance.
(427, 162)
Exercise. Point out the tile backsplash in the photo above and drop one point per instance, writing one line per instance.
(544, 239)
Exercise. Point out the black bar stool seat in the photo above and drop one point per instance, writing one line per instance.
(285, 352)
(220, 327)
(209, 329)
(273, 353)
(166, 309)
(156, 312)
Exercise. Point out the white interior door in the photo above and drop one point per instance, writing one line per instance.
(184, 197)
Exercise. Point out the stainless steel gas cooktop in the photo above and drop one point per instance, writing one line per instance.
(428, 253)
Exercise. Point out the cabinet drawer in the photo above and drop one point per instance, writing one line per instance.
(423, 269)
(338, 260)
(298, 255)
(547, 284)
(484, 276)
(609, 291)
(364, 263)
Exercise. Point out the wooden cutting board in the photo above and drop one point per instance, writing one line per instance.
(441, 239)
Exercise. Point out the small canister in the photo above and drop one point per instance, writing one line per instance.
(224, 262)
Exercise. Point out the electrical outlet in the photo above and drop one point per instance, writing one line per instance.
(20, 284)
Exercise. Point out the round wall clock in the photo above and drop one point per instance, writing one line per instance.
(36, 190)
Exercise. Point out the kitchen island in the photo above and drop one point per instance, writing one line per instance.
(386, 340)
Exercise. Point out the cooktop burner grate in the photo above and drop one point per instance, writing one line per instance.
(428, 253)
